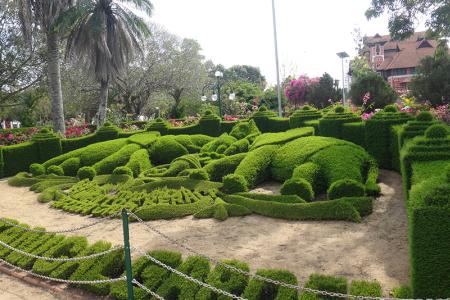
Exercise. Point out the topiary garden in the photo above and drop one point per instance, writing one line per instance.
(166, 173)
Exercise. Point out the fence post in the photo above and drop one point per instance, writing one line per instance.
(126, 247)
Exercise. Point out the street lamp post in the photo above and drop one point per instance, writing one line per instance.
(280, 112)
(219, 75)
(343, 55)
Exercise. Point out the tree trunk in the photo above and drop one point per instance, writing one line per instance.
(54, 83)
(101, 118)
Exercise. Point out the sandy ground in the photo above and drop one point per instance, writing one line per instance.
(377, 248)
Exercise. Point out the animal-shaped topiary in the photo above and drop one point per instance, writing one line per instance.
(311, 165)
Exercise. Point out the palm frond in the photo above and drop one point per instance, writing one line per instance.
(144, 5)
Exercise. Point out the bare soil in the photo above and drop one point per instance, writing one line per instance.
(375, 249)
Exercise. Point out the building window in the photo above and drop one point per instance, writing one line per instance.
(377, 50)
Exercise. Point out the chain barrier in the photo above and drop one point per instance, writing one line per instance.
(137, 283)
(201, 283)
(256, 276)
(63, 259)
(99, 281)
(62, 230)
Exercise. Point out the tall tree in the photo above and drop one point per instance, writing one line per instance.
(402, 14)
(432, 82)
(104, 36)
(41, 15)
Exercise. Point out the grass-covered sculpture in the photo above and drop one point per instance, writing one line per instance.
(169, 176)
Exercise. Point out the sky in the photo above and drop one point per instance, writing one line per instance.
(310, 32)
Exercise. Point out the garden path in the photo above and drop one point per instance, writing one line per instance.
(376, 248)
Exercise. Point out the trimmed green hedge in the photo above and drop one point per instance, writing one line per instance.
(255, 167)
(324, 283)
(139, 162)
(300, 116)
(281, 138)
(261, 290)
(348, 209)
(209, 124)
(17, 158)
(217, 169)
(117, 159)
(378, 135)
(243, 129)
(166, 149)
(331, 124)
(355, 133)
(48, 145)
(261, 118)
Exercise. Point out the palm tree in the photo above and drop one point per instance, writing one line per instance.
(42, 15)
(104, 36)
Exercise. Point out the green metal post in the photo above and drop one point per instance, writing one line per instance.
(126, 245)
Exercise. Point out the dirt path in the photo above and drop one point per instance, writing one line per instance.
(377, 248)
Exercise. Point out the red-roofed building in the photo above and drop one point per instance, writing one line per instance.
(395, 60)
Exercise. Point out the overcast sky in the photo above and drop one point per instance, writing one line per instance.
(310, 32)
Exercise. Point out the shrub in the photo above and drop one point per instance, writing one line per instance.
(402, 292)
(243, 129)
(311, 173)
(339, 109)
(166, 149)
(447, 172)
(139, 162)
(144, 139)
(86, 173)
(37, 169)
(220, 212)
(341, 162)
(300, 116)
(365, 288)
(117, 159)
(239, 146)
(378, 135)
(217, 169)
(273, 198)
(355, 133)
(425, 116)
(123, 171)
(345, 188)
(209, 124)
(261, 118)
(18, 158)
(225, 279)
(57, 170)
(391, 108)
(71, 166)
(299, 187)
(324, 283)
(48, 144)
(281, 138)
(297, 152)
(261, 290)
(436, 132)
(234, 183)
(199, 174)
(255, 167)
(342, 209)
(177, 287)
(219, 144)
(158, 125)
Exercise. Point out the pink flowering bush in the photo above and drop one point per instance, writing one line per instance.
(11, 138)
(77, 131)
(442, 113)
(230, 118)
(297, 89)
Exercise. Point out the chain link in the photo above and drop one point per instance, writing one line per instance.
(147, 290)
(201, 283)
(99, 281)
(64, 259)
(62, 230)
(256, 276)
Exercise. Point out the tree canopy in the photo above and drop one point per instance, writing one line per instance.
(403, 13)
